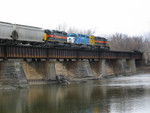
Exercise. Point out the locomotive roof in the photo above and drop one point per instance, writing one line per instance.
(5, 22)
(99, 37)
(20, 25)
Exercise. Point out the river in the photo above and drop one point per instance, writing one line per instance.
(126, 94)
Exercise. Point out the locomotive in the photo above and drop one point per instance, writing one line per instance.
(88, 41)
(22, 34)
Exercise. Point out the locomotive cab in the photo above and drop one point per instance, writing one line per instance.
(55, 36)
(101, 43)
(47, 34)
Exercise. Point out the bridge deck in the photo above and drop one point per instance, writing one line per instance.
(19, 52)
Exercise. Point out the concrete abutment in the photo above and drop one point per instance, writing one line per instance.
(15, 73)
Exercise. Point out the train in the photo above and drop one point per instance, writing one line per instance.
(17, 34)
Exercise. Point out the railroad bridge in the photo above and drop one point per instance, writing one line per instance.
(24, 65)
(21, 65)
(29, 52)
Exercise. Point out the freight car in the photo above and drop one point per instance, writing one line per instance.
(10, 33)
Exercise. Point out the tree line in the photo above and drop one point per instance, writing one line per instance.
(123, 42)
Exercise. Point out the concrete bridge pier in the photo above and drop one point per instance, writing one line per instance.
(12, 75)
(103, 68)
(98, 68)
(120, 67)
(38, 71)
(106, 67)
(132, 66)
(74, 69)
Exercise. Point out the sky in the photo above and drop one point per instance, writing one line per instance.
(131, 17)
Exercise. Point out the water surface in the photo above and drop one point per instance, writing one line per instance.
(129, 94)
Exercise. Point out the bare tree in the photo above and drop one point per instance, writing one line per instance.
(122, 42)
(146, 42)
(89, 32)
(117, 42)
(62, 27)
(86, 32)
(73, 30)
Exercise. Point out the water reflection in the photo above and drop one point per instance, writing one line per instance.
(115, 95)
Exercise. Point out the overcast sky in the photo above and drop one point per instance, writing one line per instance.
(131, 17)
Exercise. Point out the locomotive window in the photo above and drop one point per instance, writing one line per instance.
(64, 33)
(47, 31)
(58, 34)
(73, 35)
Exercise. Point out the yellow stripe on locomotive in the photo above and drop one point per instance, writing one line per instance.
(92, 40)
(45, 37)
